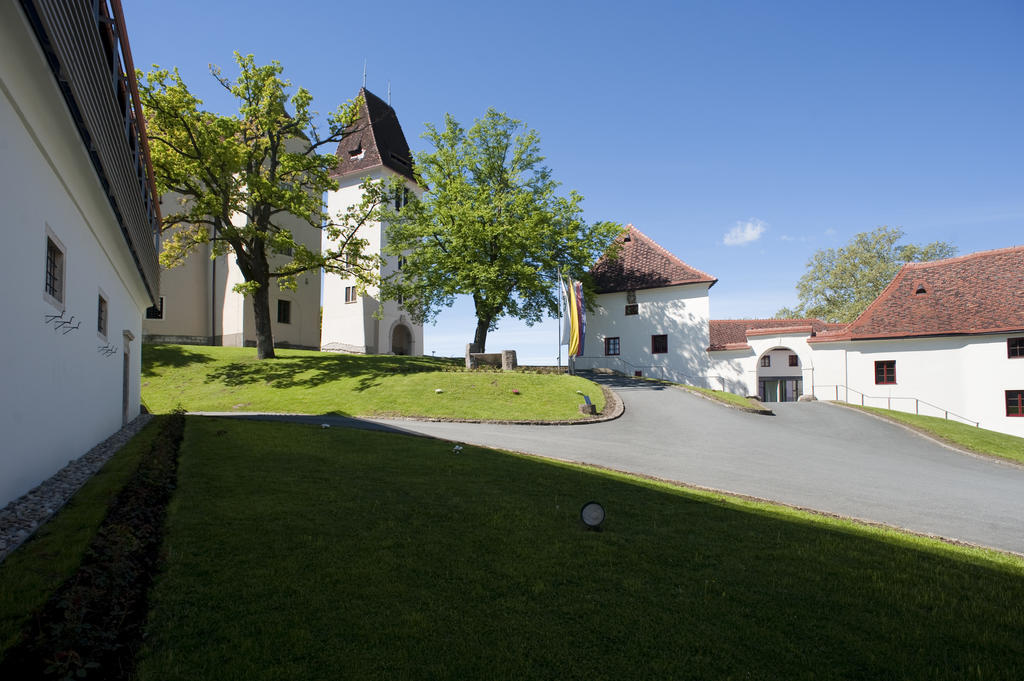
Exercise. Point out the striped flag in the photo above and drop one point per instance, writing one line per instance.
(577, 319)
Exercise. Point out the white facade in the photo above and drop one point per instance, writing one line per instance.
(775, 379)
(963, 378)
(680, 313)
(66, 386)
(361, 322)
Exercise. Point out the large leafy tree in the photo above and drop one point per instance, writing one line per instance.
(490, 225)
(840, 282)
(242, 181)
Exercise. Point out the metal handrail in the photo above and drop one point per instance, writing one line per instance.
(889, 398)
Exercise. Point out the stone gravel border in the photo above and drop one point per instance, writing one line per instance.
(22, 517)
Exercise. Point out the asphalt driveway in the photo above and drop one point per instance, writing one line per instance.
(813, 455)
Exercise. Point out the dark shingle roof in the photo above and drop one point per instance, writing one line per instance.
(642, 263)
(978, 293)
(731, 334)
(374, 139)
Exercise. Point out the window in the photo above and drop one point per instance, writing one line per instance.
(659, 344)
(794, 361)
(284, 312)
(611, 346)
(350, 294)
(54, 285)
(401, 261)
(766, 361)
(400, 299)
(156, 311)
(1015, 347)
(631, 309)
(1015, 402)
(885, 372)
(101, 316)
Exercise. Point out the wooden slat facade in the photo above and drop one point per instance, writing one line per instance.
(88, 52)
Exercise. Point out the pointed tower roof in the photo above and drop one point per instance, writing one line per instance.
(642, 263)
(374, 139)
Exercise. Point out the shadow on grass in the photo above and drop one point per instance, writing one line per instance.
(313, 371)
(171, 357)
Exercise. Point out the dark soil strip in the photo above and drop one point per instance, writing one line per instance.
(92, 626)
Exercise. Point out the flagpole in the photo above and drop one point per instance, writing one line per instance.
(560, 310)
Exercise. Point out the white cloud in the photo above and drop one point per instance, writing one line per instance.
(745, 232)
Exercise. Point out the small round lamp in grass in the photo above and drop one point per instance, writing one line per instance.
(592, 515)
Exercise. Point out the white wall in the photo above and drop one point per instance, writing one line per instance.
(352, 327)
(680, 312)
(60, 395)
(738, 371)
(964, 376)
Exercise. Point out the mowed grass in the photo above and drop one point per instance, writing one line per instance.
(724, 396)
(35, 570)
(296, 552)
(959, 434)
(299, 381)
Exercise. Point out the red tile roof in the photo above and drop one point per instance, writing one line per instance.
(977, 293)
(642, 263)
(732, 334)
(374, 139)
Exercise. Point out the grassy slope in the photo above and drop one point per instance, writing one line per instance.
(29, 575)
(959, 434)
(226, 379)
(296, 552)
(727, 397)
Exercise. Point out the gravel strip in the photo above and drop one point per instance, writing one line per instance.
(26, 514)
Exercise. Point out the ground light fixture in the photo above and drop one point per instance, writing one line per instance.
(592, 515)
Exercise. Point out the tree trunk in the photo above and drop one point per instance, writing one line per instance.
(480, 339)
(261, 315)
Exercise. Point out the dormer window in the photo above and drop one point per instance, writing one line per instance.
(356, 154)
(920, 289)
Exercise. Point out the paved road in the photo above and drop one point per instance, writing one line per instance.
(813, 455)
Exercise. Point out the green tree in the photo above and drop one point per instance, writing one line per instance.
(243, 181)
(490, 225)
(840, 283)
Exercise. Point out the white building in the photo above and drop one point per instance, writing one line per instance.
(198, 305)
(945, 338)
(81, 239)
(374, 148)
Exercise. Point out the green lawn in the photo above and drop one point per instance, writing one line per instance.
(30, 574)
(296, 552)
(959, 434)
(727, 397)
(298, 381)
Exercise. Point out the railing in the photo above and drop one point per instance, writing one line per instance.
(889, 399)
(629, 369)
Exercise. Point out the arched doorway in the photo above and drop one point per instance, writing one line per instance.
(401, 340)
(779, 376)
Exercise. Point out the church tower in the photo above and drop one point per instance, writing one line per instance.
(375, 148)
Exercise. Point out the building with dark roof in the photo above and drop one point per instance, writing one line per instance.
(374, 147)
(80, 253)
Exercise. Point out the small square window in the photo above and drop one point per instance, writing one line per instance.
(284, 312)
(350, 294)
(101, 317)
(611, 346)
(659, 344)
(794, 361)
(1015, 347)
(766, 361)
(1015, 402)
(54, 281)
(885, 372)
(156, 311)
(631, 309)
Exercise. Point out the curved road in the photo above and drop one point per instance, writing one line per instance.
(810, 454)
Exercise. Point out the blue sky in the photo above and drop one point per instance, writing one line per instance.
(741, 136)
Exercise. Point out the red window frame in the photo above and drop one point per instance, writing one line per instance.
(885, 372)
(1015, 348)
(611, 345)
(1015, 403)
(794, 361)
(659, 344)
(766, 361)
